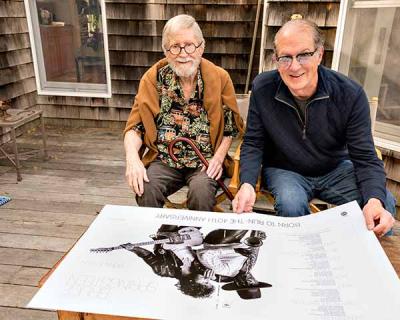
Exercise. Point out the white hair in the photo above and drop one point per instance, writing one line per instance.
(181, 22)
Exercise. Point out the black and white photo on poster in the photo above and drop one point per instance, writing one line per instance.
(200, 262)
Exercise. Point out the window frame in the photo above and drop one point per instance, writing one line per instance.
(56, 88)
(385, 135)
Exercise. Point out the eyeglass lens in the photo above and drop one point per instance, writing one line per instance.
(189, 48)
(302, 58)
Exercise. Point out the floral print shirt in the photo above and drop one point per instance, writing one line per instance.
(181, 118)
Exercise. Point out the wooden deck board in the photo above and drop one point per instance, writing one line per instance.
(26, 314)
(42, 229)
(21, 275)
(56, 201)
(23, 241)
(29, 258)
(16, 295)
(85, 197)
(51, 206)
(57, 218)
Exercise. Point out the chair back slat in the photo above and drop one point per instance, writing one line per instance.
(243, 101)
(373, 107)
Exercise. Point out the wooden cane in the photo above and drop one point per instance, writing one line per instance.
(201, 157)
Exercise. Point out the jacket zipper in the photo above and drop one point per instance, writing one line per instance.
(304, 123)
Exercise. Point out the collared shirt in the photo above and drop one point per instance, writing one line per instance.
(181, 118)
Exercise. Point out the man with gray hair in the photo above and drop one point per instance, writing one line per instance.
(182, 95)
(309, 129)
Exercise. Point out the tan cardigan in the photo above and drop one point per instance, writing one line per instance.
(218, 91)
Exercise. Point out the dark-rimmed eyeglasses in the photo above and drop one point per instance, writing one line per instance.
(302, 58)
(189, 48)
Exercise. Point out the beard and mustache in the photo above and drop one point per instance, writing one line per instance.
(187, 70)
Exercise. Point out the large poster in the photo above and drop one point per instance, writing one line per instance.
(179, 264)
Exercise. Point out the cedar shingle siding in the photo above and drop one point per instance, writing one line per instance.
(134, 35)
(17, 78)
(323, 13)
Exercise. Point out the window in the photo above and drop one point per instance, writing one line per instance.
(69, 47)
(367, 49)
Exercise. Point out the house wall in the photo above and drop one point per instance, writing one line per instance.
(17, 77)
(134, 36)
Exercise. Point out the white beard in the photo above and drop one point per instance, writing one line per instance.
(185, 71)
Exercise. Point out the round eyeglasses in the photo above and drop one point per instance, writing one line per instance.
(302, 58)
(189, 48)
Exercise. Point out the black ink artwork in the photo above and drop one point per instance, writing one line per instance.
(199, 262)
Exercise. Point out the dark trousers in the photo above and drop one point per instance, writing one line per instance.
(165, 181)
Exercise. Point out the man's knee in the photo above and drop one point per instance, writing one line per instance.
(152, 196)
(201, 194)
(291, 202)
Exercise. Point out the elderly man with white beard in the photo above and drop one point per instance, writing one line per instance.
(182, 95)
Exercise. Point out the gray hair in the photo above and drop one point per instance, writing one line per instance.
(181, 22)
(317, 34)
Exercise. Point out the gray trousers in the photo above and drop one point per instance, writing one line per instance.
(165, 181)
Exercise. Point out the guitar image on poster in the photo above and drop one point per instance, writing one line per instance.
(188, 236)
